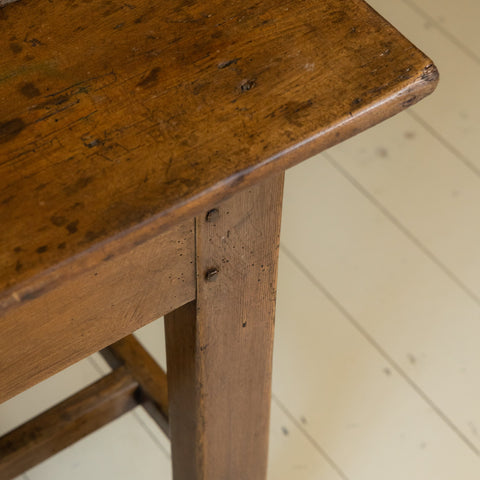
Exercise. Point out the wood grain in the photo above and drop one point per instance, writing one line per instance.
(136, 380)
(152, 379)
(219, 348)
(66, 423)
(46, 331)
(116, 114)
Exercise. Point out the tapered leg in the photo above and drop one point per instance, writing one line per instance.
(219, 348)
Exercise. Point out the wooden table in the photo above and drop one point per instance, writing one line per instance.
(142, 155)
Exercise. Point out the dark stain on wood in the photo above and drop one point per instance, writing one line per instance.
(42, 249)
(58, 220)
(7, 200)
(80, 184)
(338, 16)
(10, 129)
(151, 79)
(72, 227)
(16, 48)
(294, 111)
(90, 236)
(29, 90)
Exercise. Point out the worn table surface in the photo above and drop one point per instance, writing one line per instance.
(115, 115)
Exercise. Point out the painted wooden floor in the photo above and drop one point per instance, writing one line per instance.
(377, 354)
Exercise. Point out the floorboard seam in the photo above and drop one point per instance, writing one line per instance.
(363, 332)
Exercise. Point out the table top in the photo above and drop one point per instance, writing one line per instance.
(116, 115)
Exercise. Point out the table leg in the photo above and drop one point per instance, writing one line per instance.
(219, 347)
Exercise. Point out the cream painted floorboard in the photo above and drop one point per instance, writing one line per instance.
(422, 185)
(376, 361)
(351, 399)
(435, 201)
(451, 113)
(458, 20)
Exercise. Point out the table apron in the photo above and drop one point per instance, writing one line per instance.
(94, 309)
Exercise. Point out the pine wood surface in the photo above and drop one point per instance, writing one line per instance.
(219, 348)
(153, 380)
(116, 114)
(136, 380)
(414, 184)
(51, 329)
(67, 422)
